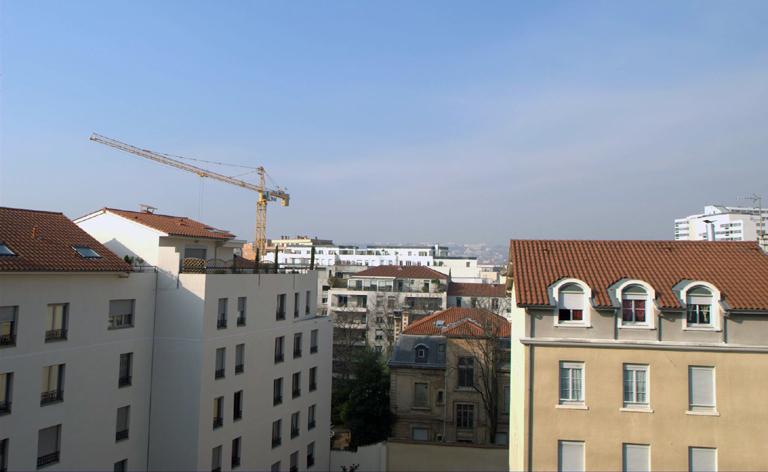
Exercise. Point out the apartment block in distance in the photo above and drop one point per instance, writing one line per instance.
(638, 355)
(723, 223)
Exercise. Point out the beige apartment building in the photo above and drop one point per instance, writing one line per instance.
(638, 355)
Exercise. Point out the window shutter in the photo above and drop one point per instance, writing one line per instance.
(120, 307)
(420, 434)
(222, 306)
(570, 457)
(216, 462)
(7, 313)
(48, 441)
(239, 354)
(702, 383)
(219, 359)
(573, 301)
(637, 458)
(241, 304)
(421, 394)
(122, 418)
(703, 459)
(699, 300)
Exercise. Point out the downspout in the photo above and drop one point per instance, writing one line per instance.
(445, 393)
(151, 371)
(530, 410)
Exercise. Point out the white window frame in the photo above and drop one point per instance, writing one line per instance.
(557, 298)
(650, 307)
(715, 312)
(694, 409)
(632, 370)
(570, 400)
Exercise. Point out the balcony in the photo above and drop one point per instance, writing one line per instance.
(276, 441)
(312, 386)
(55, 335)
(120, 435)
(8, 340)
(5, 408)
(239, 368)
(220, 373)
(241, 321)
(296, 392)
(124, 381)
(294, 432)
(296, 353)
(313, 349)
(310, 460)
(311, 425)
(235, 462)
(52, 397)
(221, 323)
(279, 358)
(48, 459)
(280, 315)
(218, 422)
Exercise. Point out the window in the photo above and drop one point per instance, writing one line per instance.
(420, 434)
(6, 389)
(494, 304)
(570, 304)
(126, 370)
(277, 433)
(220, 370)
(120, 314)
(466, 372)
(195, 252)
(121, 466)
(237, 414)
(216, 459)
(276, 467)
(633, 301)
(86, 252)
(48, 443)
(702, 459)
(505, 400)
(313, 341)
(311, 417)
(313, 379)
(280, 312)
(239, 359)
(296, 345)
(218, 412)
(379, 335)
(8, 325)
(236, 444)
(123, 417)
(465, 416)
(297, 384)
(221, 316)
(390, 302)
(241, 311)
(458, 302)
(53, 382)
(636, 386)
(296, 305)
(636, 458)
(294, 425)
(306, 302)
(5, 250)
(422, 354)
(310, 454)
(56, 322)
(279, 349)
(421, 395)
(295, 462)
(701, 388)
(571, 383)
(277, 391)
(570, 456)
(440, 397)
(699, 302)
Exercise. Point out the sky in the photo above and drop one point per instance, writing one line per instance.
(397, 121)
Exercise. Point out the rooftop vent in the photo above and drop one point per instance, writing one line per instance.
(147, 208)
(439, 323)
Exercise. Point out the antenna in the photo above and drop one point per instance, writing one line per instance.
(759, 200)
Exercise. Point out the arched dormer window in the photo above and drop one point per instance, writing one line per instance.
(699, 302)
(634, 309)
(570, 304)
(422, 354)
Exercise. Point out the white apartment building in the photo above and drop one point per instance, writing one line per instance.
(723, 223)
(211, 384)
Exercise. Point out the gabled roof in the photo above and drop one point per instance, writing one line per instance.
(738, 269)
(460, 322)
(172, 225)
(401, 272)
(461, 289)
(43, 241)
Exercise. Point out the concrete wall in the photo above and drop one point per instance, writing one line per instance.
(134, 238)
(370, 458)
(421, 456)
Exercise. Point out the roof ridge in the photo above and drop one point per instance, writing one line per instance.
(35, 211)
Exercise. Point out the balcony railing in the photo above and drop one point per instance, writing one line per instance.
(5, 408)
(220, 373)
(239, 368)
(312, 349)
(216, 469)
(8, 340)
(235, 462)
(296, 353)
(276, 441)
(218, 422)
(310, 460)
(312, 386)
(238, 415)
(279, 357)
(48, 459)
(52, 396)
(237, 265)
(55, 335)
(296, 392)
(221, 323)
(306, 310)
(311, 425)
(294, 468)
(294, 432)
(124, 381)
(121, 435)
(277, 400)
(280, 314)
(241, 321)
(295, 312)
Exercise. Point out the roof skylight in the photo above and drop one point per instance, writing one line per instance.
(86, 252)
(5, 250)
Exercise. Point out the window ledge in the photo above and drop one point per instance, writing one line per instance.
(421, 408)
(638, 326)
(110, 328)
(709, 329)
(572, 407)
(636, 410)
(703, 413)
(575, 325)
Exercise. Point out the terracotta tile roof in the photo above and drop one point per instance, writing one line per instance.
(401, 272)
(459, 322)
(173, 225)
(738, 269)
(50, 249)
(461, 289)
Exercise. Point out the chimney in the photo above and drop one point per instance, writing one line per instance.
(710, 230)
(34, 232)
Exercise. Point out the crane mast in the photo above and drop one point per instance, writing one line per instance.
(265, 194)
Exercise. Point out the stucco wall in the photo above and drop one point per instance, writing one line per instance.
(421, 456)
(369, 458)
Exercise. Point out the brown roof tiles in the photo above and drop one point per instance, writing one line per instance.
(461, 289)
(401, 272)
(173, 225)
(460, 322)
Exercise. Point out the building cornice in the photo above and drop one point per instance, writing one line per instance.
(625, 344)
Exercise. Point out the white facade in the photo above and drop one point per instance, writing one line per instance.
(722, 223)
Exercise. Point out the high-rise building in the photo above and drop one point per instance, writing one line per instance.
(723, 223)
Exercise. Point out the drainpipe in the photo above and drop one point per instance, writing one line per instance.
(710, 230)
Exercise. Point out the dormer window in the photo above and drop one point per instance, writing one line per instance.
(5, 250)
(570, 304)
(86, 252)
(699, 302)
(422, 353)
(633, 305)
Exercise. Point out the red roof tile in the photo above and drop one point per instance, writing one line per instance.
(401, 272)
(173, 225)
(461, 289)
(738, 269)
(50, 249)
(460, 322)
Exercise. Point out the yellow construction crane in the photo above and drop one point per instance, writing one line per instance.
(265, 194)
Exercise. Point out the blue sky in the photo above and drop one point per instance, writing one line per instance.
(409, 121)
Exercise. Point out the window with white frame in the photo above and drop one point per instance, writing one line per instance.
(120, 313)
(570, 456)
(699, 303)
(422, 354)
(701, 388)
(702, 459)
(570, 304)
(571, 383)
(635, 386)
(636, 458)
(633, 305)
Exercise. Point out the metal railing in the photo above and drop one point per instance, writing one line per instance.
(296, 392)
(277, 400)
(124, 381)
(48, 459)
(239, 368)
(8, 340)
(52, 396)
(296, 353)
(220, 373)
(241, 321)
(280, 314)
(279, 357)
(311, 425)
(295, 312)
(5, 408)
(55, 335)
(276, 441)
(236, 462)
(216, 469)
(238, 265)
(121, 435)
(221, 323)
(312, 386)
(294, 432)
(310, 460)
(218, 422)
(238, 415)
(294, 468)
(312, 349)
